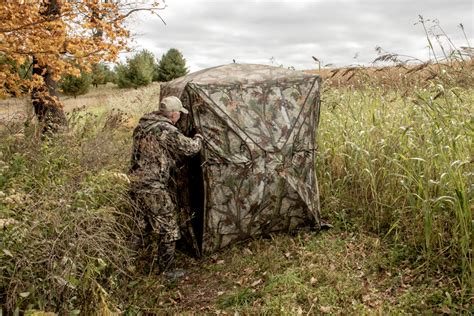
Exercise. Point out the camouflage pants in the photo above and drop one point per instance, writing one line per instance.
(161, 224)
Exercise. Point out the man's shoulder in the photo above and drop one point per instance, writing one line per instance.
(153, 122)
(166, 125)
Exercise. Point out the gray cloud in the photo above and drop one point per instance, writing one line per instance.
(209, 33)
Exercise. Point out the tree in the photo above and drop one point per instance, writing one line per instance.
(22, 70)
(48, 34)
(137, 72)
(172, 65)
(76, 85)
(99, 74)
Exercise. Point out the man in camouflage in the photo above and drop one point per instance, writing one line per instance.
(157, 146)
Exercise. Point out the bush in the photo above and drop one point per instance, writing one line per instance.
(137, 72)
(74, 86)
(172, 65)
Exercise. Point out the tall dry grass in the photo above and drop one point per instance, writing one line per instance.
(403, 169)
(396, 159)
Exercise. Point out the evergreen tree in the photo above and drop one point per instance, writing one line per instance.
(137, 72)
(172, 65)
(74, 86)
(100, 74)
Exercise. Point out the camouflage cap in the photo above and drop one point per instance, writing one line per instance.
(172, 104)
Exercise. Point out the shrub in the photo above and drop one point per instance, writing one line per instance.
(76, 85)
(66, 221)
(101, 74)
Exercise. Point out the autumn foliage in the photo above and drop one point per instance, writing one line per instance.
(55, 38)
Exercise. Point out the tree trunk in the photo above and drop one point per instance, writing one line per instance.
(48, 108)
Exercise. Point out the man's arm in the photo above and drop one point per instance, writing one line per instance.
(187, 146)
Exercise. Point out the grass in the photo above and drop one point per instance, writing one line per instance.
(395, 174)
(401, 167)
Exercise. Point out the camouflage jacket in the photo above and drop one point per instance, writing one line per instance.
(157, 146)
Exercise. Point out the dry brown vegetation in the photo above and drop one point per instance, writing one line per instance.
(405, 78)
(97, 101)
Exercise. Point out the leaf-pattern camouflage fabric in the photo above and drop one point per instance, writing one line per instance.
(259, 124)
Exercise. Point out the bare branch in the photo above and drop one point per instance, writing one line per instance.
(151, 9)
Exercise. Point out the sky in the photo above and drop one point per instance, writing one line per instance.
(290, 32)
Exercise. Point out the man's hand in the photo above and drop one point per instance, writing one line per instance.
(197, 135)
(197, 130)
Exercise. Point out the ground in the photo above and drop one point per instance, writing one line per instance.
(331, 272)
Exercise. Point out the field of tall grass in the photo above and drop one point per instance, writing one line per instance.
(401, 167)
(395, 169)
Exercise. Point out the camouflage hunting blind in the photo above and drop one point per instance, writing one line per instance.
(256, 172)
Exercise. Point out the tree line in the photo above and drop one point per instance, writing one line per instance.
(137, 71)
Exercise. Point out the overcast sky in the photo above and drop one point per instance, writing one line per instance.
(289, 32)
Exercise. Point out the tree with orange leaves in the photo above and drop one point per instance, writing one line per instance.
(56, 38)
